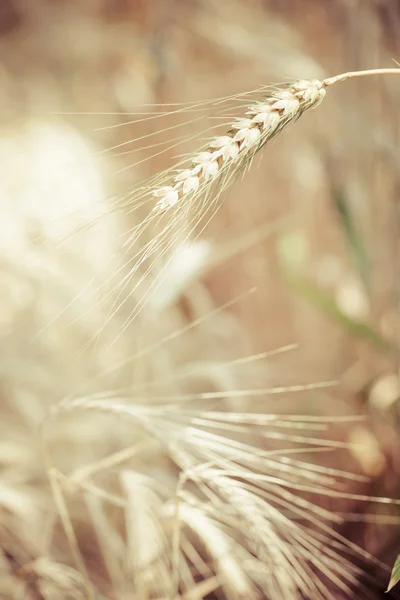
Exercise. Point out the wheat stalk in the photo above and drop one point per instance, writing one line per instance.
(246, 136)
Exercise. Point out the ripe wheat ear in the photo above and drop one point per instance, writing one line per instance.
(188, 193)
(227, 154)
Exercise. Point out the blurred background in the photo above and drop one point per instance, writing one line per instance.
(303, 250)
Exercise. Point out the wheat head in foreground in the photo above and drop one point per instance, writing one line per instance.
(188, 194)
(246, 137)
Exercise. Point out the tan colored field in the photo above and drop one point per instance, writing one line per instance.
(202, 403)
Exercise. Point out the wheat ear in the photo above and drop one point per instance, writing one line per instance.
(247, 135)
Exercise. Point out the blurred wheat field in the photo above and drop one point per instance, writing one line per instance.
(206, 407)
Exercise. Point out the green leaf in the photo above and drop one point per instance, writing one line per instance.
(354, 240)
(327, 304)
(293, 253)
(395, 576)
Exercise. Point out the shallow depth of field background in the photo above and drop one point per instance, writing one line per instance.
(313, 227)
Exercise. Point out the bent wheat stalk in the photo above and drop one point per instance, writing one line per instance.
(246, 136)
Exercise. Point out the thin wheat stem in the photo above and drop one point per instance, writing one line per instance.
(351, 74)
